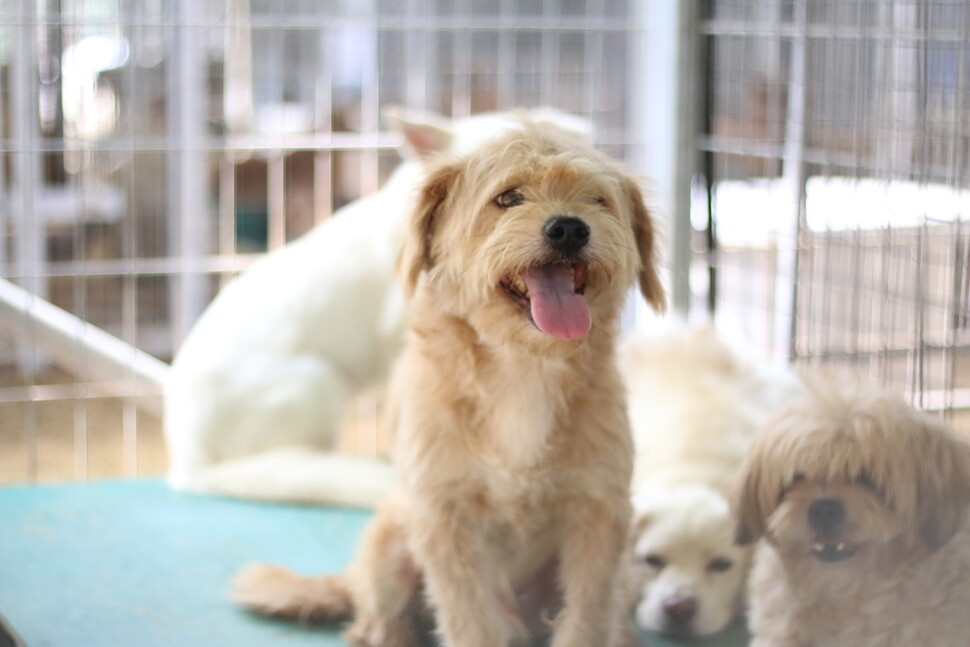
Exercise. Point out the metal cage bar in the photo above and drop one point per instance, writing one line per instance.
(846, 116)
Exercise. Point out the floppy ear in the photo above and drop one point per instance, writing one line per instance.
(415, 254)
(749, 518)
(645, 235)
(944, 485)
(644, 505)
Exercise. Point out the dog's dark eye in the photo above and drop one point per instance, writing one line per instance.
(509, 199)
(719, 565)
(601, 201)
(865, 480)
(656, 561)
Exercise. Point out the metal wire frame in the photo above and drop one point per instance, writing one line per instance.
(803, 91)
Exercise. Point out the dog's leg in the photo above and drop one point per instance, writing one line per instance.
(592, 550)
(629, 589)
(385, 582)
(472, 607)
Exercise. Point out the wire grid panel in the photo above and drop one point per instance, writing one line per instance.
(155, 149)
(836, 153)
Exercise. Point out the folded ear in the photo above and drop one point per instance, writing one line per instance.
(424, 134)
(646, 238)
(643, 512)
(944, 488)
(745, 498)
(416, 254)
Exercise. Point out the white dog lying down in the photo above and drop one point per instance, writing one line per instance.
(694, 406)
(258, 388)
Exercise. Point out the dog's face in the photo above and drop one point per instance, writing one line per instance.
(849, 474)
(690, 573)
(532, 239)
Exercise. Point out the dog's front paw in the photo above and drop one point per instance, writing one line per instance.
(381, 632)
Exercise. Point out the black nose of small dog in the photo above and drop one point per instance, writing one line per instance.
(566, 234)
(826, 514)
(680, 608)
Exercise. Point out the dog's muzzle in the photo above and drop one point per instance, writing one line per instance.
(679, 613)
(826, 516)
(551, 293)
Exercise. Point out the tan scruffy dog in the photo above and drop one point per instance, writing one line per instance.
(514, 448)
(862, 502)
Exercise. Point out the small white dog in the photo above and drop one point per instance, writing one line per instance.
(862, 502)
(257, 390)
(694, 407)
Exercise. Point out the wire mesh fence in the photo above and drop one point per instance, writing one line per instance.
(836, 152)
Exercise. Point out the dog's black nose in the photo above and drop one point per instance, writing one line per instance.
(826, 514)
(566, 234)
(680, 609)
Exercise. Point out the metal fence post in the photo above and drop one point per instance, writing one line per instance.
(793, 177)
(665, 89)
(188, 204)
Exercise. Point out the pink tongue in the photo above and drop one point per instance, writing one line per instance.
(556, 309)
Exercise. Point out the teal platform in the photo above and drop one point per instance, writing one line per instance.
(133, 564)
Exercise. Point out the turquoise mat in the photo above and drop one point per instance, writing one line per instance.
(133, 564)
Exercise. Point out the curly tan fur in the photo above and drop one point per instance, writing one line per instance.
(891, 568)
(513, 445)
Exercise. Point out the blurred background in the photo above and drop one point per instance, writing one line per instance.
(808, 159)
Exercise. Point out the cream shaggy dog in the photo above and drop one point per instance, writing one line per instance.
(694, 406)
(260, 385)
(514, 449)
(862, 504)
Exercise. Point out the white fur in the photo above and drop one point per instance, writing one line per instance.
(694, 406)
(257, 390)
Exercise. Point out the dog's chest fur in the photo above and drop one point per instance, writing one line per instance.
(503, 415)
(521, 412)
(524, 402)
(519, 486)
